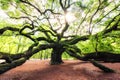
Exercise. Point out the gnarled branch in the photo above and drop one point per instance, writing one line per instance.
(2, 30)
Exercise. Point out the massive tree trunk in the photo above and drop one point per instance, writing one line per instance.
(56, 55)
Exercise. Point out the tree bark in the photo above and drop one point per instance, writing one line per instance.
(8, 66)
(56, 55)
(102, 67)
(95, 63)
(19, 59)
(103, 56)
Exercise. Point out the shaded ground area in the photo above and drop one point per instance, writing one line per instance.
(70, 70)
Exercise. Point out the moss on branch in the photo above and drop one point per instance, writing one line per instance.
(102, 67)
(8, 66)
(2, 30)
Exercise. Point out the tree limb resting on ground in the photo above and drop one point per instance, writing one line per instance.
(8, 66)
(102, 67)
(95, 63)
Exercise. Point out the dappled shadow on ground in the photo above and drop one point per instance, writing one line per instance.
(70, 70)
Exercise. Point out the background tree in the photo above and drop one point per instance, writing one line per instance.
(59, 25)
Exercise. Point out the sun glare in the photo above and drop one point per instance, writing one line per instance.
(3, 14)
(70, 17)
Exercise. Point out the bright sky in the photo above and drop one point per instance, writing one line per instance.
(3, 14)
(5, 17)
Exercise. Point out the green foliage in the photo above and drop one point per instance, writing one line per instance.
(105, 45)
(5, 4)
(60, 27)
(17, 1)
(16, 13)
(85, 11)
(14, 44)
(86, 46)
(45, 54)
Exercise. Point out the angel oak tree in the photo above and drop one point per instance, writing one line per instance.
(59, 25)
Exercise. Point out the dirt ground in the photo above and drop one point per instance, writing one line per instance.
(70, 70)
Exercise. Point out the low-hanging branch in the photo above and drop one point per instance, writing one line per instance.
(28, 36)
(44, 39)
(102, 56)
(21, 59)
(11, 57)
(2, 30)
(47, 31)
(95, 63)
(8, 66)
(39, 48)
(25, 27)
(102, 67)
(76, 39)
